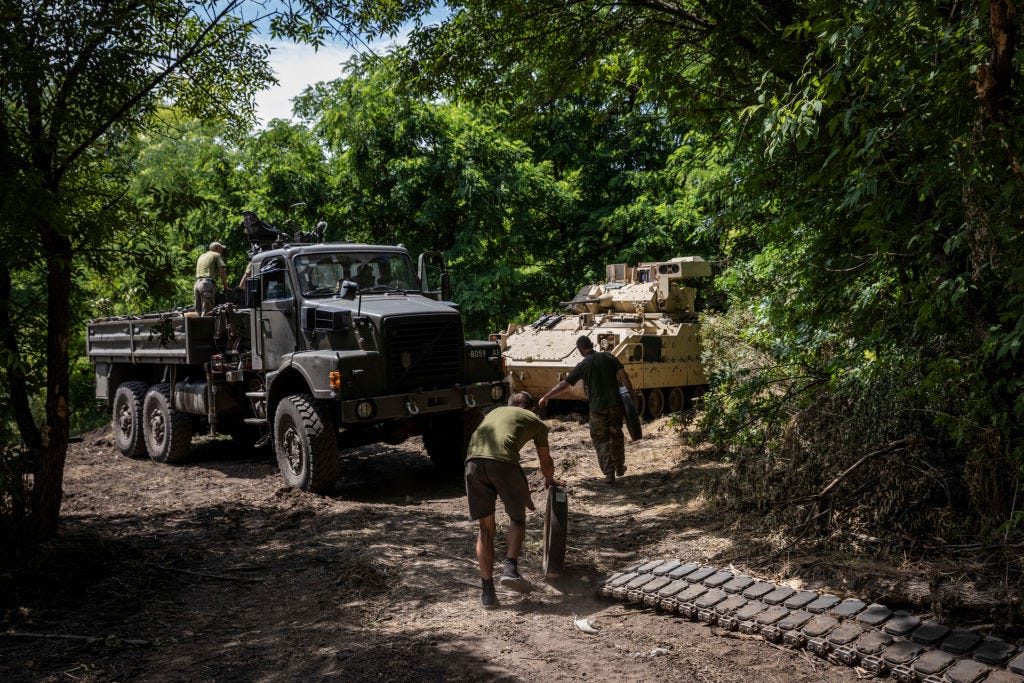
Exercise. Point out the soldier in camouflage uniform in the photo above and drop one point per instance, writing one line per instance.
(602, 374)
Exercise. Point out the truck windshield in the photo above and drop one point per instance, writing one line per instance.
(319, 274)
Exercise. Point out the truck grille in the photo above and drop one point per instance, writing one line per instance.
(423, 350)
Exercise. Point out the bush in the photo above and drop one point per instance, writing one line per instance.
(14, 493)
(853, 448)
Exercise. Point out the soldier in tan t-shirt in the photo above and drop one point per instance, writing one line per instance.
(209, 266)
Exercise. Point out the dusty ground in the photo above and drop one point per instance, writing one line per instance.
(215, 571)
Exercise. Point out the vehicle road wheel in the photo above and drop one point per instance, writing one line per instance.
(168, 432)
(676, 400)
(447, 438)
(127, 419)
(305, 444)
(655, 403)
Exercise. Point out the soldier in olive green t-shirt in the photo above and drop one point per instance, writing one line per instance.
(209, 266)
(493, 471)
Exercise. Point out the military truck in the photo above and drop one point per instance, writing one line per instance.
(645, 315)
(336, 345)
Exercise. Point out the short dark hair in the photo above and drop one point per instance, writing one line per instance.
(584, 342)
(521, 399)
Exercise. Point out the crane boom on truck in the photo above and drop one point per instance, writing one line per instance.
(337, 345)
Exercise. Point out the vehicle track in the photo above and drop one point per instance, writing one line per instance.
(882, 642)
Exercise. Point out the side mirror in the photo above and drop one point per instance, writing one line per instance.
(433, 274)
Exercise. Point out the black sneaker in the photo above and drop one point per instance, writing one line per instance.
(511, 580)
(620, 470)
(488, 598)
(609, 478)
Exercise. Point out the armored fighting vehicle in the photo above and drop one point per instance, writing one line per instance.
(644, 315)
(336, 345)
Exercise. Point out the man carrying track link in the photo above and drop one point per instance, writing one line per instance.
(602, 374)
(492, 472)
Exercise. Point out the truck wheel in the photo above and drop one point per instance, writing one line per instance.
(127, 419)
(304, 441)
(447, 439)
(655, 403)
(168, 432)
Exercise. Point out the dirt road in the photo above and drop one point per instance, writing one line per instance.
(216, 571)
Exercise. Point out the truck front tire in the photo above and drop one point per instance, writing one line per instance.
(127, 419)
(168, 432)
(447, 439)
(305, 444)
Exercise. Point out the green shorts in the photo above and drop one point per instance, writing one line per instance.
(487, 479)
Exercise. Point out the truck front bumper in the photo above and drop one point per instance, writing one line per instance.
(408, 405)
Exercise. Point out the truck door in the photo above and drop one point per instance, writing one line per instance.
(274, 334)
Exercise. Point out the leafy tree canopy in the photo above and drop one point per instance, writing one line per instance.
(868, 211)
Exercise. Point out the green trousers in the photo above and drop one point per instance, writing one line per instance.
(609, 441)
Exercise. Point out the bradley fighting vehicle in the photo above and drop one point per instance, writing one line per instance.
(337, 344)
(644, 315)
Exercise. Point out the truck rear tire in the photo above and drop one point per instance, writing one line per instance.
(447, 439)
(127, 419)
(168, 432)
(305, 444)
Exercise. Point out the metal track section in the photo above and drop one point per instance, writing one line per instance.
(885, 643)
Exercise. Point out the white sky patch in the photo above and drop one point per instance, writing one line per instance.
(300, 66)
(296, 68)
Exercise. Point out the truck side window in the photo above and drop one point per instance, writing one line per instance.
(275, 286)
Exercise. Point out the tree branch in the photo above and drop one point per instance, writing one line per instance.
(118, 114)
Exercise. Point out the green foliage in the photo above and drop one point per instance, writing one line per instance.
(434, 176)
(81, 81)
(850, 166)
(859, 182)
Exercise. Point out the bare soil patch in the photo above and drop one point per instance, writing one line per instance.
(215, 570)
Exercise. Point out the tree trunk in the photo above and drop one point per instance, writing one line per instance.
(17, 383)
(47, 490)
(994, 78)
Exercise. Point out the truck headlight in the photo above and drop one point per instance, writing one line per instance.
(497, 392)
(365, 410)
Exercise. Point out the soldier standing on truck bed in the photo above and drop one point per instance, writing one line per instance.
(602, 374)
(208, 266)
